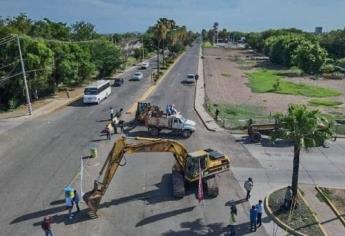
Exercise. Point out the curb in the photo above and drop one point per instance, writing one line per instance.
(152, 88)
(330, 204)
(282, 224)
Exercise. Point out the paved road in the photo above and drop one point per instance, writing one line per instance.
(39, 157)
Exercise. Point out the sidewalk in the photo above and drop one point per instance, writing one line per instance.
(324, 213)
(200, 92)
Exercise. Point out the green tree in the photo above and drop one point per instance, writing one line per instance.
(306, 128)
(82, 31)
(106, 56)
(309, 57)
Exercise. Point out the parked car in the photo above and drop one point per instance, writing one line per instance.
(118, 82)
(144, 65)
(190, 79)
(137, 76)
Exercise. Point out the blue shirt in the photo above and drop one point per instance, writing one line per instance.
(259, 208)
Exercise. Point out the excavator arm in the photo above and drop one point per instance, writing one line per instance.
(113, 161)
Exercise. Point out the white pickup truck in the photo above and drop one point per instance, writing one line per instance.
(156, 120)
(175, 123)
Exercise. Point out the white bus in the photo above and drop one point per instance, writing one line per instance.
(97, 91)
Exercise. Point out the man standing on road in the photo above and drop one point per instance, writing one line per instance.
(113, 124)
(217, 114)
(107, 131)
(259, 212)
(119, 113)
(46, 226)
(121, 124)
(69, 206)
(248, 186)
(76, 200)
(232, 220)
(253, 217)
(196, 77)
(111, 113)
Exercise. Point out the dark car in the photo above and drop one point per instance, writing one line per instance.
(118, 82)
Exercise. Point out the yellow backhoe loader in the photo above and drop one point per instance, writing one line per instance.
(187, 167)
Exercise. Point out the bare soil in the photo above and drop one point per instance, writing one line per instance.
(337, 197)
(226, 81)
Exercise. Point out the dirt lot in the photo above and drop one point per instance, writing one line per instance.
(226, 82)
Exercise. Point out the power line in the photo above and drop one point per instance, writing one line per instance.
(2, 80)
(2, 42)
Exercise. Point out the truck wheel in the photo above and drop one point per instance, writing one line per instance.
(154, 131)
(186, 133)
(178, 184)
(256, 137)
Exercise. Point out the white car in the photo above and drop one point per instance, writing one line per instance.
(144, 65)
(190, 79)
(137, 76)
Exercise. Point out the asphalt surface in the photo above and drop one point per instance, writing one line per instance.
(39, 157)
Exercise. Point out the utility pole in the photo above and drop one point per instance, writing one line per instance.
(24, 76)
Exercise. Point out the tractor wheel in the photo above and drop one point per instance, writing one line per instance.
(154, 131)
(186, 133)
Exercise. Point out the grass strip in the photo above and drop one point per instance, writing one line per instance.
(268, 81)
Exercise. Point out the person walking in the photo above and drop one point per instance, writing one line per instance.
(76, 200)
(107, 131)
(119, 113)
(253, 217)
(196, 77)
(45, 225)
(122, 124)
(259, 209)
(232, 220)
(111, 110)
(113, 124)
(248, 186)
(69, 206)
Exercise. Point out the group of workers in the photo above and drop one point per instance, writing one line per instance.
(114, 122)
(171, 110)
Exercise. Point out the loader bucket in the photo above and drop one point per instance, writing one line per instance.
(92, 199)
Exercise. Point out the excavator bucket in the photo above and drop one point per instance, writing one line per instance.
(92, 199)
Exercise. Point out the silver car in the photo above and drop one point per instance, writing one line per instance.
(137, 76)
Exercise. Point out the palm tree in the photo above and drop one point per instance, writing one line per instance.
(306, 128)
(168, 26)
(215, 32)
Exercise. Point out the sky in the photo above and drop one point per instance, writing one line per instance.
(110, 16)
